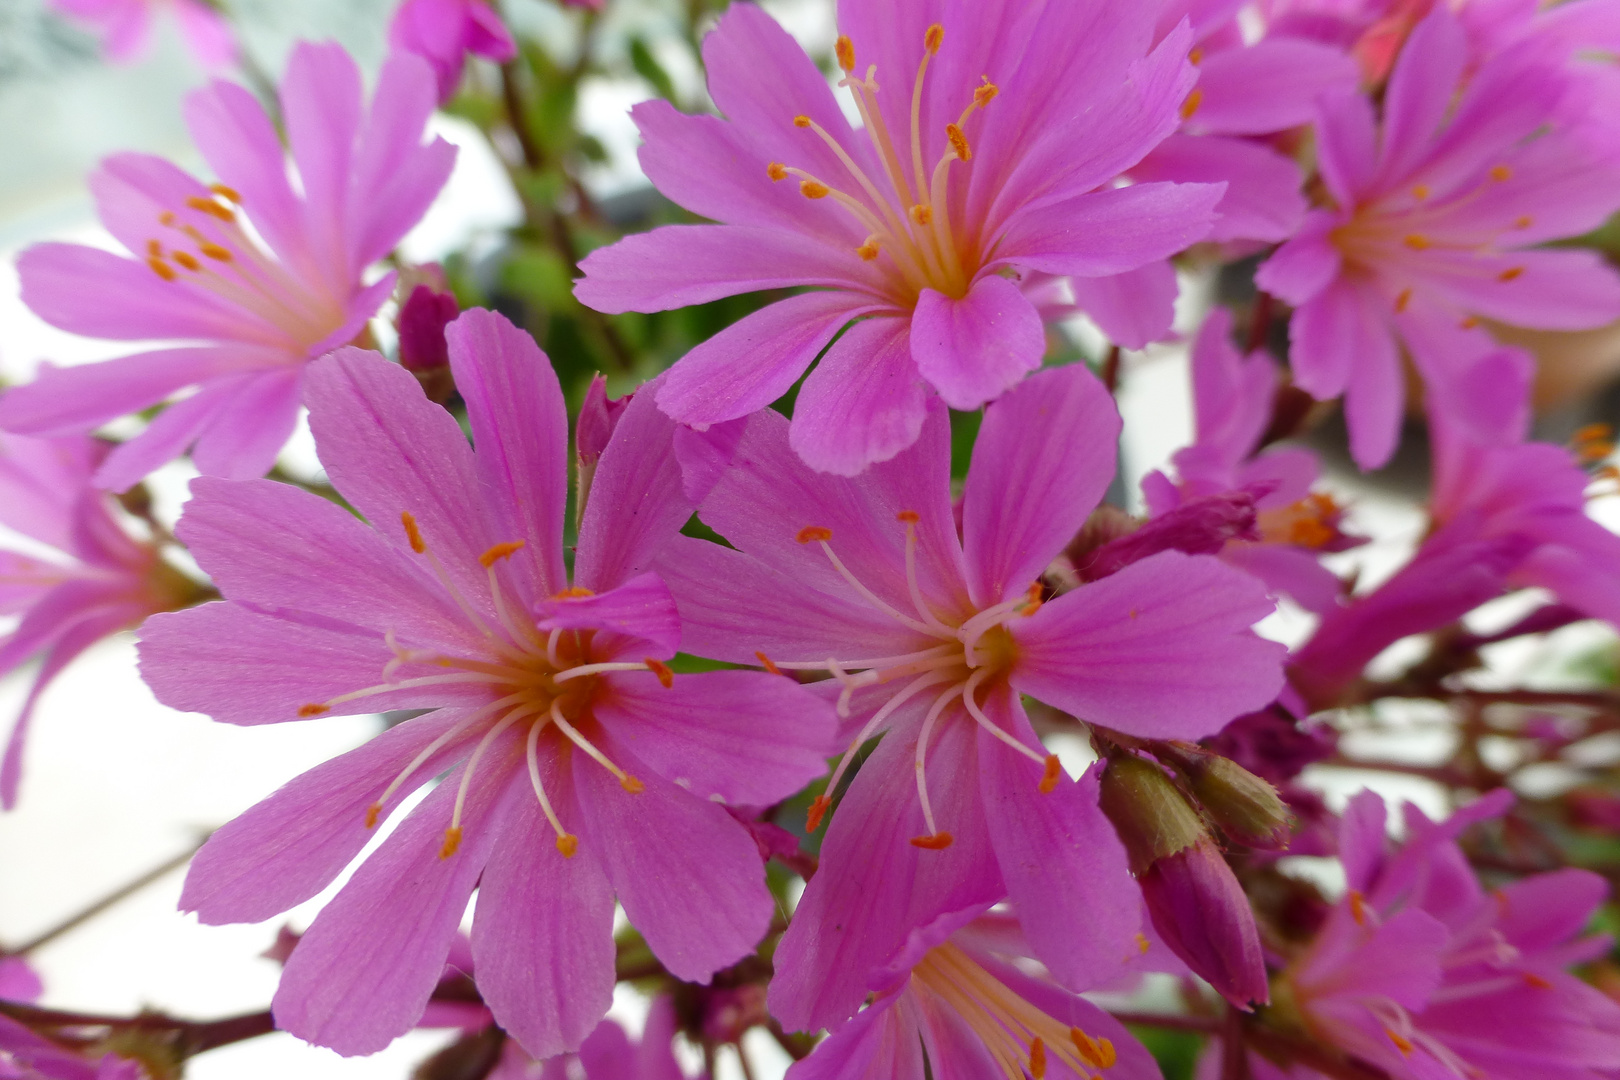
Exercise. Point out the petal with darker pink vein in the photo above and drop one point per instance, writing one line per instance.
(974, 347)
(1113, 230)
(864, 403)
(321, 97)
(244, 437)
(1161, 649)
(688, 875)
(1263, 200)
(641, 610)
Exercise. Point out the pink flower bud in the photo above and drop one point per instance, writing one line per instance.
(1199, 909)
(422, 319)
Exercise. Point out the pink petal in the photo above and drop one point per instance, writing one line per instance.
(679, 265)
(973, 348)
(395, 177)
(1113, 230)
(1043, 459)
(293, 844)
(874, 886)
(1263, 200)
(240, 144)
(1422, 88)
(641, 610)
(168, 436)
(1549, 290)
(1289, 571)
(321, 98)
(1161, 649)
(243, 438)
(520, 439)
(542, 934)
(390, 450)
(687, 874)
(364, 970)
(207, 34)
(755, 360)
(1347, 144)
(1374, 402)
(865, 402)
(637, 504)
(867, 1046)
(1341, 332)
(1269, 86)
(750, 738)
(1133, 308)
(1064, 866)
(1305, 265)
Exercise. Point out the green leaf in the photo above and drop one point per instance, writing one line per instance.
(648, 67)
(1175, 1051)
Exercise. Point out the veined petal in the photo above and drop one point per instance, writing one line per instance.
(395, 178)
(1160, 649)
(1422, 88)
(1268, 86)
(1263, 200)
(1112, 230)
(322, 98)
(1043, 459)
(641, 609)
(973, 348)
(865, 402)
(1133, 308)
(244, 437)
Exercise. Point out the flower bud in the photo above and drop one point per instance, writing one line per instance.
(422, 319)
(1153, 819)
(1200, 911)
(1247, 809)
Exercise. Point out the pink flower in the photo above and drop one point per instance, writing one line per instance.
(580, 768)
(26, 1055)
(1436, 218)
(125, 27)
(1424, 974)
(952, 1003)
(18, 981)
(931, 638)
(255, 299)
(443, 32)
(98, 581)
(993, 134)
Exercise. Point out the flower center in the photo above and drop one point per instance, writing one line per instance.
(205, 245)
(907, 216)
(546, 680)
(1312, 522)
(967, 655)
(1019, 1036)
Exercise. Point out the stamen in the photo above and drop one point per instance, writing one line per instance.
(1049, 778)
(1420, 192)
(1524, 222)
(845, 50)
(801, 121)
(581, 670)
(935, 840)
(1098, 1053)
(226, 193)
(374, 811)
(498, 552)
(452, 835)
(922, 214)
(209, 206)
(626, 781)
(933, 37)
(162, 269)
(989, 725)
(666, 677)
(1142, 943)
(1501, 173)
(1190, 105)
(985, 92)
(776, 171)
(817, 812)
(1037, 1059)
(812, 532)
(215, 252)
(870, 597)
(905, 693)
(314, 708)
(1402, 1043)
(452, 841)
(868, 250)
(567, 843)
(1510, 274)
(959, 143)
(1358, 908)
(765, 661)
(814, 189)
(1417, 242)
(913, 585)
(185, 259)
(412, 533)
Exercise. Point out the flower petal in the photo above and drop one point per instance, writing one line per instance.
(1268, 86)
(641, 610)
(322, 98)
(973, 348)
(1263, 200)
(1133, 308)
(864, 403)
(1043, 459)
(1112, 230)
(243, 439)
(1161, 649)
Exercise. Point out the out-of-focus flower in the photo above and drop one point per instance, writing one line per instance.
(551, 707)
(931, 639)
(1437, 217)
(18, 981)
(27, 1055)
(1423, 973)
(952, 1003)
(443, 32)
(990, 151)
(259, 276)
(96, 581)
(125, 27)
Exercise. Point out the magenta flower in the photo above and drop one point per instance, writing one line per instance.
(125, 27)
(18, 981)
(443, 32)
(1423, 973)
(993, 134)
(952, 1003)
(257, 299)
(25, 1055)
(1437, 214)
(932, 638)
(98, 581)
(580, 768)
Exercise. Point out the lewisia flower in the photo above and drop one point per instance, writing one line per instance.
(125, 27)
(1423, 973)
(96, 581)
(579, 767)
(931, 636)
(1435, 220)
(952, 1004)
(443, 32)
(259, 277)
(992, 133)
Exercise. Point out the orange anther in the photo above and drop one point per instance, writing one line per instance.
(1142, 943)
(452, 841)
(500, 551)
(845, 49)
(412, 533)
(766, 661)
(1500, 173)
(813, 532)
(666, 677)
(1358, 908)
(1402, 1043)
(573, 592)
(959, 143)
(1037, 1059)
(567, 844)
(985, 92)
(1510, 273)
(1190, 105)
(1049, 777)
(154, 249)
(933, 37)
(922, 214)
(801, 121)
(186, 260)
(215, 252)
(632, 785)
(814, 189)
(1402, 300)
(937, 842)
(868, 250)
(1417, 242)
(1469, 323)
(167, 218)
(1594, 433)
(1420, 192)
(776, 171)
(1523, 222)
(1195, 57)
(1533, 980)
(817, 813)
(226, 193)
(910, 517)
(1098, 1053)
(210, 207)
(373, 812)
(162, 269)
(1032, 599)
(312, 709)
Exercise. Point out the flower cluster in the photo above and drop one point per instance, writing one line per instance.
(842, 690)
